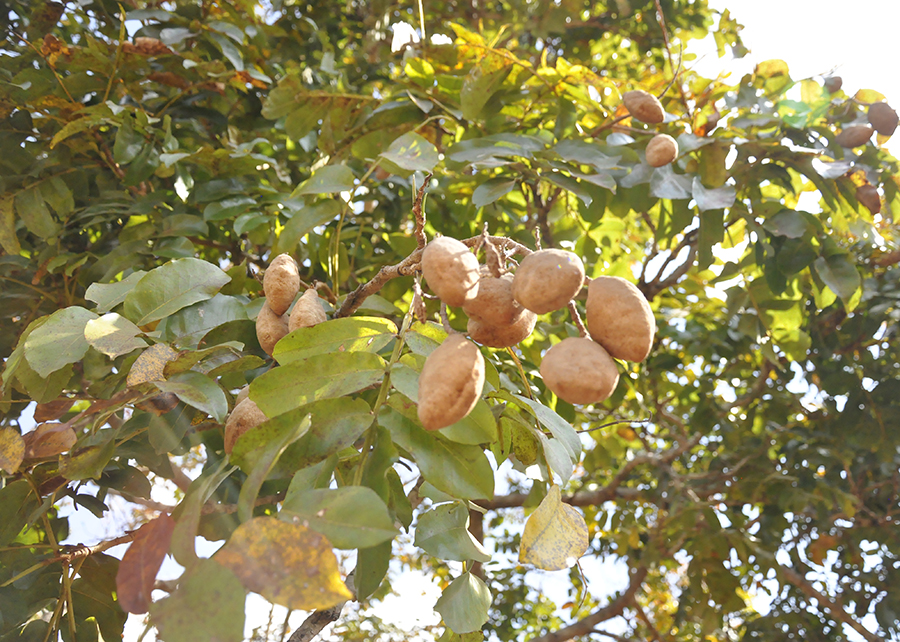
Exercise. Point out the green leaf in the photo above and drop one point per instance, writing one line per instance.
(58, 342)
(491, 190)
(665, 183)
(460, 470)
(464, 604)
(303, 221)
(8, 239)
(323, 376)
(128, 143)
(199, 391)
(371, 567)
(443, 533)
(348, 334)
(327, 180)
(17, 501)
(87, 463)
(188, 513)
(559, 427)
(34, 213)
(229, 50)
(113, 335)
(350, 516)
(109, 295)
(481, 83)
(171, 287)
(713, 199)
(227, 208)
(207, 606)
(570, 184)
(840, 275)
(412, 152)
(788, 223)
(58, 195)
(478, 427)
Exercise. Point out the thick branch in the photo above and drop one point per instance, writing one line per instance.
(834, 608)
(608, 612)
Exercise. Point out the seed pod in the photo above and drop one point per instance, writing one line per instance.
(547, 280)
(525, 445)
(619, 318)
(451, 270)
(833, 84)
(270, 327)
(662, 150)
(579, 371)
(883, 119)
(245, 416)
(494, 304)
(868, 195)
(854, 136)
(644, 106)
(307, 312)
(502, 336)
(451, 382)
(242, 394)
(281, 282)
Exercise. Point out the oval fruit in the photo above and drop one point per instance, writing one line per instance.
(242, 394)
(833, 84)
(494, 304)
(579, 371)
(644, 106)
(451, 270)
(307, 312)
(868, 195)
(451, 382)
(245, 416)
(661, 150)
(281, 282)
(547, 280)
(619, 318)
(854, 136)
(270, 328)
(502, 336)
(883, 119)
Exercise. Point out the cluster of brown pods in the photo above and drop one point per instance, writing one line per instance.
(503, 310)
(645, 107)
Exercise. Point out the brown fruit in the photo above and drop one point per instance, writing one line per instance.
(270, 327)
(502, 336)
(833, 84)
(494, 304)
(619, 318)
(883, 119)
(242, 394)
(451, 270)
(281, 282)
(868, 195)
(662, 150)
(854, 136)
(579, 371)
(245, 416)
(547, 280)
(451, 382)
(644, 106)
(307, 312)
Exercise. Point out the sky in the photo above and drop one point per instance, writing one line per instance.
(855, 40)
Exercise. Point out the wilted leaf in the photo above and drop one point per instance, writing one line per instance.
(413, 153)
(52, 410)
(150, 365)
(555, 535)
(443, 532)
(113, 335)
(48, 440)
(141, 562)
(349, 334)
(349, 516)
(288, 564)
(58, 342)
(207, 606)
(12, 449)
(171, 287)
(464, 604)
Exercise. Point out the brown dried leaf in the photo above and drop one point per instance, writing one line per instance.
(52, 410)
(287, 564)
(12, 450)
(48, 440)
(146, 47)
(150, 365)
(141, 562)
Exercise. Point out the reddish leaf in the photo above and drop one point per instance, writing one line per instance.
(52, 410)
(139, 566)
(49, 440)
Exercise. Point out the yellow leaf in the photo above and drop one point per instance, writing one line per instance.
(150, 365)
(555, 535)
(287, 564)
(12, 449)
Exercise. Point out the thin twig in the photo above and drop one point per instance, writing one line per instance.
(419, 214)
(576, 319)
(318, 620)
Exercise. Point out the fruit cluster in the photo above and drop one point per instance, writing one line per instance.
(645, 107)
(502, 310)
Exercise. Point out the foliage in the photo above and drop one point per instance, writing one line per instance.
(149, 177)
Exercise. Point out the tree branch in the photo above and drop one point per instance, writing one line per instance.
(318, 620)
(608, 612)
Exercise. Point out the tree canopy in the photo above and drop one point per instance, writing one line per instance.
(157, 157)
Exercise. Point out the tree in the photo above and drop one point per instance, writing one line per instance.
(157, 157)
